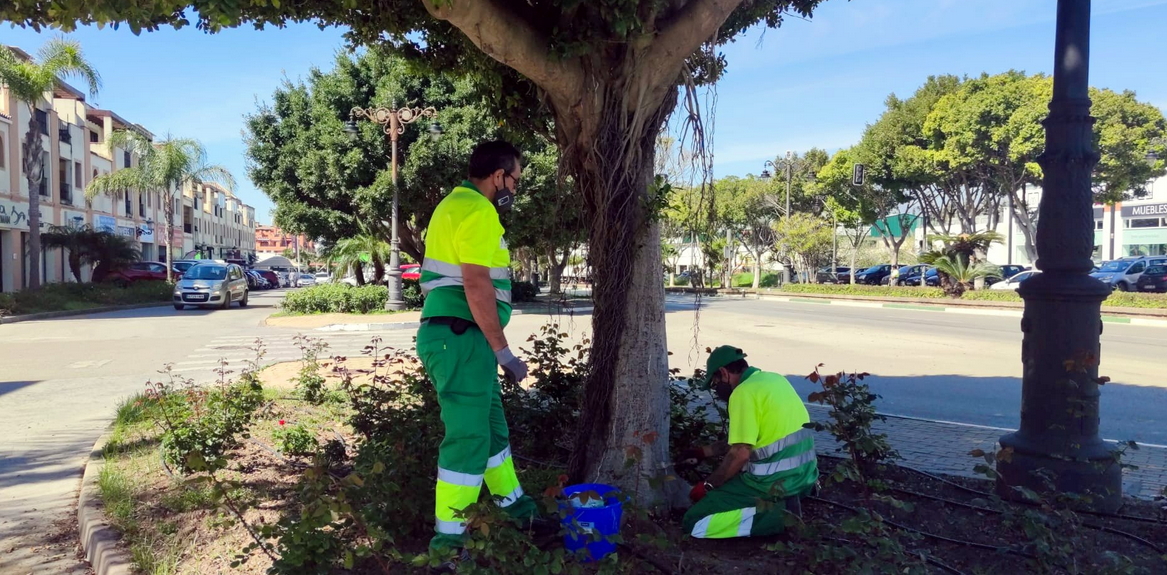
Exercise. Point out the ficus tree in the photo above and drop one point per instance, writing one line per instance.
(29, 80)
(607, 73)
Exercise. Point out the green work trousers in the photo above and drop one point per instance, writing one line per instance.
(735, 510)
(476, 445)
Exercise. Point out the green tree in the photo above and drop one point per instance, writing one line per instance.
(111, 251)
(749, 205)
(807, 238)
(350, 255)
(548, 213)
(959, 273)
(28, 80)
(1125, 131)
(536, 62)
(167, 167)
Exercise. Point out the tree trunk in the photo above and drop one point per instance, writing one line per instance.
(625, 409)
(555, 271)
(359, 273)
(757, 272)
(169, 241)
(33, 160)
(75, 264)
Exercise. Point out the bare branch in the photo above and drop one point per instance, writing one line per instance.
(506, 37)
(683, 33)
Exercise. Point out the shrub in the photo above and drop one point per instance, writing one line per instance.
(1140, 300)
(68, 296)
(336, 298)
(852, 413)
(991, 295)
(203, 422)
(411, 293)
(864, 290)
(295, 440)
(681, 281)
(523, 292)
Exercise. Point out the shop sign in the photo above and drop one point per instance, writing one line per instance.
(105, 223)
(146, 233)
(1144, 211)
(13, 215)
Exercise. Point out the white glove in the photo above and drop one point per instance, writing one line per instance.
(512, 367)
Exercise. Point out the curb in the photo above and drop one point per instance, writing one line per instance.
(99, 540)
(967, 310)
(68, 313)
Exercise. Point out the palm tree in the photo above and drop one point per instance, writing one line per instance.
(29, 80)
(349, 256)
(958, 275)
(112, 251)
(166, 166)
(79, 241)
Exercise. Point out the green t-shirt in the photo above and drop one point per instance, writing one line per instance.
(464, 229)
(765, 409)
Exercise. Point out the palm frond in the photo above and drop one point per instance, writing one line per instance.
(216, 174)
(114, 182)
(63, 58)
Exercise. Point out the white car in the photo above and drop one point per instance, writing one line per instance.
(305, 280)
(1015, 280)
(323, 277)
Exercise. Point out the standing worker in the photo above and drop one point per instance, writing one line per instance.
(466, 281)
(769, 455)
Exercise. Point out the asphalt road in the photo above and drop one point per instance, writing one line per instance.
(951, 367)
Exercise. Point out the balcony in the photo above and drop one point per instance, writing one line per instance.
(64, 135)
(66, 193)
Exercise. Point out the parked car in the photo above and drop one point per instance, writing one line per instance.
(305, 280)
(411, 272)
(910, 275)
(1007, 271)
(256, 281)
(323, 277)
(841, 274)
(211, 284)
(183, 265)
(138, 271)
(904, 272)
(873, 275)
(1014, 281)
(1154, 279)
(272, 278)
(1123, 274)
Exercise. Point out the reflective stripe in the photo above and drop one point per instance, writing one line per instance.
(503, 295)
(498, 458)
(456, 478)
(796, 437)
(782, 464)
(450, 527)
(455, 271)
(432, 265)
(701, 527)
(511, 498)
(747, 524)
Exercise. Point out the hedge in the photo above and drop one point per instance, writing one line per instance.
(1116, 299)
(336, 298)
(523, 292)
(865, 290)
(745, 280)
(78, 296)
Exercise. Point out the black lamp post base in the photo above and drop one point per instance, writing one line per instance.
(1093, 474)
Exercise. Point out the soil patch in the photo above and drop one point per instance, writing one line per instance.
(314, 321)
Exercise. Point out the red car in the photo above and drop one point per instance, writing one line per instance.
(411, 272)
(140, 271)
(271, 277)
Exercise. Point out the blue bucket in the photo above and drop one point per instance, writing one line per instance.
(596, 525)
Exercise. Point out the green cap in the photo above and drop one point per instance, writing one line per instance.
(720, 358)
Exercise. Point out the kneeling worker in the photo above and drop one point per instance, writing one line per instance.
(769, 455)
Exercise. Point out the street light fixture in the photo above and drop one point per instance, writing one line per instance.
(393, 121)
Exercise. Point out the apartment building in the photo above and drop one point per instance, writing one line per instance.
(216, 224)
(74, 143)
(271, 240)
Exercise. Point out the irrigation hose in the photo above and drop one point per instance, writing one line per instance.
(928, 558)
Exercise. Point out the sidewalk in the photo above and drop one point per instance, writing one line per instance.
(942, 447)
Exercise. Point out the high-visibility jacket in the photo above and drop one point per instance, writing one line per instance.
(464, 229)
(768, 415)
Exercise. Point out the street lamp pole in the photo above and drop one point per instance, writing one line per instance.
(393, 121)
(787, 165)
(1058, 439)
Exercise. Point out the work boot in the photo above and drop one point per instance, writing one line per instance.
(451, 565)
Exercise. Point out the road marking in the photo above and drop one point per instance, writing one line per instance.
(88, 364)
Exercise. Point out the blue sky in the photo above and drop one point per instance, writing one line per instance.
(815, 83)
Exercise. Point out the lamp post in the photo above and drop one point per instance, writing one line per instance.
(1058, 438)
(393, 121)
(788, 165)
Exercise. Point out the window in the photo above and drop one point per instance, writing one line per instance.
(94, 137)
(3, 156)
(1098, 224)
(42, 117)
(1137, 268)
(1143, 222)
(126, 158)
(78, 175)
(45, 172)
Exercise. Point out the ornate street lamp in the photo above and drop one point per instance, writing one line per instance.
(1058, 441)
(393, 121)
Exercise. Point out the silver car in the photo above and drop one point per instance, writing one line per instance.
(211, 284)
(1123, 274)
